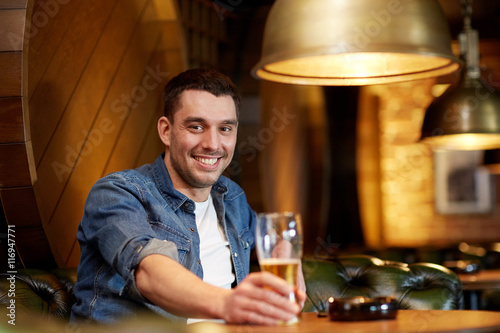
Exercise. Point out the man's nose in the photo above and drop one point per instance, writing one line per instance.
(211, 140)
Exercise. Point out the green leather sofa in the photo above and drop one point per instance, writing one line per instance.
(419, 286)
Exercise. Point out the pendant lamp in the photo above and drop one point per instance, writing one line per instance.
(467, 116)
(355, 42)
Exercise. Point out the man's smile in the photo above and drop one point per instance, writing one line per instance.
(207, 161)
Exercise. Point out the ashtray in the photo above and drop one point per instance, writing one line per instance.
(362, 308)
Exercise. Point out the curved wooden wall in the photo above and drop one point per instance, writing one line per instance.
(17, 192)
(91, 89)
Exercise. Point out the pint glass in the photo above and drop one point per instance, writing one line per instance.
(279, 246)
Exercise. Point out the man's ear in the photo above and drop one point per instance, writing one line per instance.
(164, 130)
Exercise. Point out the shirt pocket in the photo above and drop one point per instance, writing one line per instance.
(167, 233)
(247, 239)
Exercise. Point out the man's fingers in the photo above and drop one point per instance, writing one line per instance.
(301, 298)
(269, 310)
(271, 281)
(269, 295)
(261, 312)
(250, 317)
(266, 279)
(262, 298)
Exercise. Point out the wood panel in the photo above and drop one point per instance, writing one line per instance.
(17, 174)
(14, 166)
(166, 10)
(94, 156)
(117, 130)
(12, 24)
(136, 126)
(50, 99)
(174, 43)
(12, 4)
(79, 119)
(151, 145)
(10, 74)
(11, 120)
(91, 154)
(85, 58)
(74, 255)
(46, 36)
(22, 205)
(32, 245)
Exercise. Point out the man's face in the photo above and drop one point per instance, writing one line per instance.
(202, 139)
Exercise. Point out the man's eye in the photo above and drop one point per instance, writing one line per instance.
(226, 129)
(197, 127)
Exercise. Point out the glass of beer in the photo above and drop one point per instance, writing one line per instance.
(279, 246)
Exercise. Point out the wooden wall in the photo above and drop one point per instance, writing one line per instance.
(17, 176)
(91, 86)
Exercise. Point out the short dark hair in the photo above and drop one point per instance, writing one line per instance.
(208, 80)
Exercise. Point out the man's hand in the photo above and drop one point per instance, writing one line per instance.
(261, 298)
(301, 284)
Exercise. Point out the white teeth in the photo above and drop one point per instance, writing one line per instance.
(208, 161)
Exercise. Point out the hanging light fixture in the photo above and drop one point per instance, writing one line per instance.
(361, 42)
(467, 116)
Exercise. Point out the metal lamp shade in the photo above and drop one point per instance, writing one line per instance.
(464, 118)
(355, 42)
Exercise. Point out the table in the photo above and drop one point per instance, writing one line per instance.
(408, 321)
(485, 279)
(474, 284)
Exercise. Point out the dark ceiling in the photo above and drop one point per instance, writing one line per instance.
(485, 17)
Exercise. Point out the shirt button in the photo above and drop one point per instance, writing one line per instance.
(235, 255)
(192, 229)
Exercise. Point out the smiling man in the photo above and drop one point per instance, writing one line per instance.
(201, 138)
(174, 237)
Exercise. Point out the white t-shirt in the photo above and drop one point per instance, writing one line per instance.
(214, 248)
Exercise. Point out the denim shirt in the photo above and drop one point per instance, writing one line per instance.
(134, 213)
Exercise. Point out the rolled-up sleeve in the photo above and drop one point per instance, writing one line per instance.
(155, 246)
(116, 224)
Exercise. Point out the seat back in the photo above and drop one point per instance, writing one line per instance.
(419, 286)
(47, 293)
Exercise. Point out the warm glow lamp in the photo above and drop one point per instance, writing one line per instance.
(465, 117)
(355, 42)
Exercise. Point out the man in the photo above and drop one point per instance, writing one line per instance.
(175, 237)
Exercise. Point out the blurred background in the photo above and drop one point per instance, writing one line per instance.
(81, 96)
